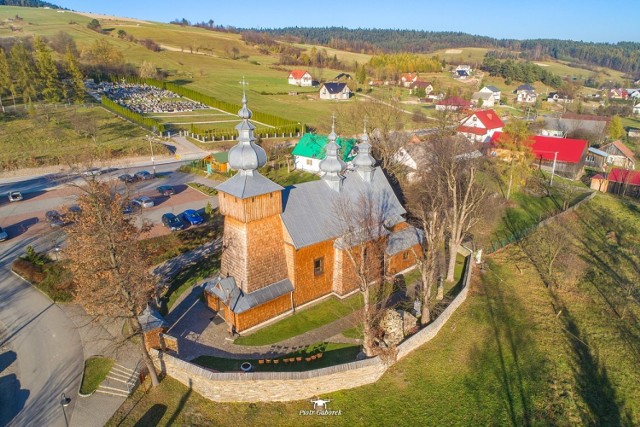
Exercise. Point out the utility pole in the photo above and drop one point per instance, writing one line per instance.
(153, 159)
(553, 169)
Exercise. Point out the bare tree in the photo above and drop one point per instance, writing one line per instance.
(427, 203)
(456, 167)
(385, 119)
(108, 267)
(363, 241)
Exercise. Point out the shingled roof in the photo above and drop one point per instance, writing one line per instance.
(308, 213)
(239, 302)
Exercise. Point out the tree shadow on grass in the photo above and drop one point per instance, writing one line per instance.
(180, 407)
(506, 367)
(152, 417)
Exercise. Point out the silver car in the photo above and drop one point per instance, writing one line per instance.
(15, 196)
(143, 201)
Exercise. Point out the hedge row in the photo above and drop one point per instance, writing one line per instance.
(228, 107)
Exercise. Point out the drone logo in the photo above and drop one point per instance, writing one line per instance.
(320, 403)
(320, 408)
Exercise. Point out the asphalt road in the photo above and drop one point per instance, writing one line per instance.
(41, 355)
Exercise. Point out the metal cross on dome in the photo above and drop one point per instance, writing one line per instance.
(244, 83)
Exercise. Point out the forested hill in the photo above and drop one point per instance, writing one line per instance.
(622, 56)
(28, 3)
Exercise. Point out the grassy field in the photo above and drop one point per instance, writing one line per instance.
(516, 353)
(67, 135)
(305, 320)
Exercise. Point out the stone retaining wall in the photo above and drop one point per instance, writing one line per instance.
(290, 386)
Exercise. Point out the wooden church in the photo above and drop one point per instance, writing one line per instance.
(281, 245)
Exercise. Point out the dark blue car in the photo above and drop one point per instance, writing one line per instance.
(172, 222)
(192, 217)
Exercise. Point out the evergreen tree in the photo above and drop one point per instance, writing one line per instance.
(6, 85)
(47, 71)
(616, 130)
(77, 79)
(23, 72)
(361, 74)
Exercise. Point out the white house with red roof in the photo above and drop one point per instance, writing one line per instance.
(408, 79)
(300, 78)
(480, 126)
(564, 156)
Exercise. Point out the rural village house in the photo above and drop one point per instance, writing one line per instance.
(419, 84)
(493, 90)
(462, 72)
(335, 90)
(300, 78)
(407, 79)
(555, 97)
(217, 162)
(480, 126)
(311, 150)
(483, 100)
(564, 156)
(636, 109)
(620, 154)
(283, 245)
(526, 93)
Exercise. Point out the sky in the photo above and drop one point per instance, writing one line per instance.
(586, 20)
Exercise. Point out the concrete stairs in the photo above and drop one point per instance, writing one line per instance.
(120, 381)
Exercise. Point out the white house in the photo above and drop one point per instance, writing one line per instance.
(636, 108)
(483, 99)
(555, 97)
(494, 90)
(480, 126)
(300, 78)
(408, 79)
(334, 90)
(526, 93)
(310, 151)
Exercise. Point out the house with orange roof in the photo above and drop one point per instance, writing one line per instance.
(300, 78)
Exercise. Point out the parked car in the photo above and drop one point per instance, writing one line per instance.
(172, 222)
(15, 196)
(192, 217)
(55, 219)
(126, 178)
(128, 208)
(142, 175)
(3, 235)
(143, 202)
(166, 190)
(92, 172)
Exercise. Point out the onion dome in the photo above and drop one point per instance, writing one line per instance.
(246, 156)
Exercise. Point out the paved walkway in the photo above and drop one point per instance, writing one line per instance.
(201, 332)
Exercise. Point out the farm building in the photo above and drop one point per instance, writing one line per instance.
(455, 103)
(564, 156)
(480, 126)
(285, 246)
(618, 181)
(311, 150)
(597, 159)
(300, 78)
(334, 90)
(569, 123)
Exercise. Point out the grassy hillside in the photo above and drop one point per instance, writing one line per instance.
(516, 353)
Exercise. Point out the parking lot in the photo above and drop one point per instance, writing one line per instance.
(26, 218)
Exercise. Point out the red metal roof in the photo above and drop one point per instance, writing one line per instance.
(472, 129)
(455, 101)
(625, 176)
(297, 74)
(489, 119)
(545, 147)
